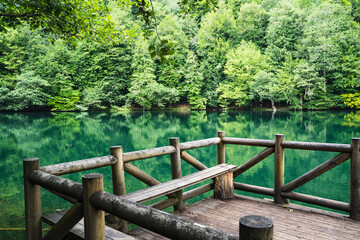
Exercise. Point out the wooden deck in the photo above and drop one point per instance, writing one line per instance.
(77, 232)
(290, 222)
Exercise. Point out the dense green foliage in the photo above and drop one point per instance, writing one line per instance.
(302, 53)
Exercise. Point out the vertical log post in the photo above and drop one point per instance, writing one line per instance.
(176, 170)
(224, 186)
(118, 179)
(355, 179)
(279, 168)
(32, 196)
(220, 149)
(94, 219)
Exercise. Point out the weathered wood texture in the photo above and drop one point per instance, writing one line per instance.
(256, 227)
(118, 179)
(221, 149)
(224, 186)
(61, 185)
(77, 232)
(355, 179)
(80, 165)
(147, 153)
(160, 222)
(317, 201)
(117, 171)
(254, 189)
(253, 161)
(317, 171)
(328, 147)
(279, 168)
(177, 184)
(66, 223)
(176, 170)
(199, 143)
(249, 142)
(192, 161)
(32, 197)
(67, 198)
(94, 218)
(292, 222)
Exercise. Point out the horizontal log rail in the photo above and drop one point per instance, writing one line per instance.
(254, 189)
(163, 223)
(341, 206)
(67, 198)
(328, 147)
(249, 142)
(58, 184)
(79, 166)
(285, 191)
(199, 143)
(147, 153)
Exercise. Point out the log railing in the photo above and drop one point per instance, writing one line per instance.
(48, 176)
(282, 192)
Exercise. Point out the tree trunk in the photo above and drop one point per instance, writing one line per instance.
(273, 105)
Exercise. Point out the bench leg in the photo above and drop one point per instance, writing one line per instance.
(224, 186)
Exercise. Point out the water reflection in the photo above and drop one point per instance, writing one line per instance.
(61, 137)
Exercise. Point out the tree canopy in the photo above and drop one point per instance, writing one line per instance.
(297, 53)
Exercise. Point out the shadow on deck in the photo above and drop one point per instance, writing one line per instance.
(290, 221)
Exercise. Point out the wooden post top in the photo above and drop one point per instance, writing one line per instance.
(91, 176)
(256, 221)
(112, 147)
(31, 159)
(221, 134)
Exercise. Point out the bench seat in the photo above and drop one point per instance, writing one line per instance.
(178, 184)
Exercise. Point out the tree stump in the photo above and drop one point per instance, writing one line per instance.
(254, 227)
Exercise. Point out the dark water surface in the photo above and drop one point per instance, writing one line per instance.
(62, 137)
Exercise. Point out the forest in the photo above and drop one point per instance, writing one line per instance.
(301, 54)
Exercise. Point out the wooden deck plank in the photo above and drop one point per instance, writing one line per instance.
(292, 222)
(178, 184)
(77, 232)
(320, 224)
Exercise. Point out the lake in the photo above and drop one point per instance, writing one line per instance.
(62, 137)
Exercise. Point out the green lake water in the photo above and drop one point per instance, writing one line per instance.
(62, 137)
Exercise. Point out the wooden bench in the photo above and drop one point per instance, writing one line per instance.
(178, 184)
(77, 232)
